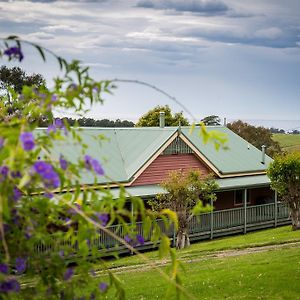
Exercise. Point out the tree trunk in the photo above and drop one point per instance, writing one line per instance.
(295, 216)
(182, 240)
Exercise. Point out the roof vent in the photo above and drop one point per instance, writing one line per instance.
(161, 119)
(263, 152)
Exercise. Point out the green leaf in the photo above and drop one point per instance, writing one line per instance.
(40, 50)
(164, 247)
(172, 215)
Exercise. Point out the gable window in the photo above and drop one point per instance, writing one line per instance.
(239, 197)
(178, 146)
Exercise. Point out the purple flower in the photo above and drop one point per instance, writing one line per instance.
(103, 218)
(27, 140)
(17, 194)
(127, 239)
(3, 172)
(93, 164)
(48, 195)
(61, 253)
(16, 174)
(58, 123)
(14, 52)
(11, 285)
(140, 239)
(53, 98)
(20, 265)
(1, 142)
(46, 171)
(63, 163)
(103, 286)
(68, 274)
(51, 128)
(4, 268)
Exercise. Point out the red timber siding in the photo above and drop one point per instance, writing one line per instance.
(163, 164)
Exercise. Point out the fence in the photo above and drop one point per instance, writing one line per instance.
(204, 226)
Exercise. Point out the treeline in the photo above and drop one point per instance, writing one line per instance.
(90, 122)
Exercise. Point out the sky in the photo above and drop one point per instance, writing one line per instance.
(236, 59)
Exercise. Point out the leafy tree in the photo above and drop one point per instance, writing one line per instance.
(211, 120)
(186, 193)
(151, 118)
(15, 78)
(256, 136)
(284, 173)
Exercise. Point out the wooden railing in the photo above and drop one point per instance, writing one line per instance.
(204, 226)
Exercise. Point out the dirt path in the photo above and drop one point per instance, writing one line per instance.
(204, 256)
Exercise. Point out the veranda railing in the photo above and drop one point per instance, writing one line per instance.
(207, 225)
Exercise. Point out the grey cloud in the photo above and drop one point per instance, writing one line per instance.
(272, 37)
(205, 7)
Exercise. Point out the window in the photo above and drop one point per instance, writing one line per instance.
(239, 197)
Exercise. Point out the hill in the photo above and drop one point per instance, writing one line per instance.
(288, 142)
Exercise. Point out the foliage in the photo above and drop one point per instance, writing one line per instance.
(211, 120)
(284, 173)
(16, 78)
(89, 122)
(257, 136)
(186, 193)
(151, 118)
(47, 218)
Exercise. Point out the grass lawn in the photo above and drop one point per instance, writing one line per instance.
(274, 236)
(273, 273)
(268, 275)
(289, 142)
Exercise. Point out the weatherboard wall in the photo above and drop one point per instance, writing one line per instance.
(159, 169)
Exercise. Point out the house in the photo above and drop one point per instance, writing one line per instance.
(140, 158)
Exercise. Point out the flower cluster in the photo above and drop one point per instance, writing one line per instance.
(58, 125)
(93, 164)
(47, 173)
(27, 140)
(63, 162)
(11, 285)
(137, 240)
(102, 218)
(3, 172)
(14, 52)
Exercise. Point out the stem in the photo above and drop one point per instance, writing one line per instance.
(2, 233)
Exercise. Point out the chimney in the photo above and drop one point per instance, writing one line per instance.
(225, 122)
(161, 119)
(263, 152)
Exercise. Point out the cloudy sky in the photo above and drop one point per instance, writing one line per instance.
(236, 59)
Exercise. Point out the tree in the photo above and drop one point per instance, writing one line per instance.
(284, 173)
(257, 136)
(15, 78)
(186, 193)
(211, 120)
(151, 118)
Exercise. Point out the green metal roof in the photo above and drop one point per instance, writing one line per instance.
(243, 182)
(252, 181)
(241, 157)
(124, 151)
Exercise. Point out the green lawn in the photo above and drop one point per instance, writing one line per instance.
(268, 275)
(274, 236)
(289, 142)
